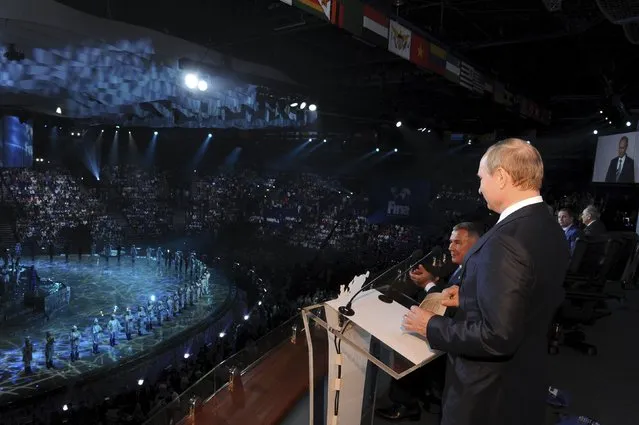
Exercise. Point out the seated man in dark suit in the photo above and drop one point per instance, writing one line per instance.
(622, 167)
(591, 219)
(427, 383)
(571, 230)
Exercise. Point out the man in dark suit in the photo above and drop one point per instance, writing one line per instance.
(591, 218)
(426, 383)
(622, 167)
(511, 285)
(567, 223)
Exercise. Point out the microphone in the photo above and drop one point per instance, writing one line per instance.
(388, 296)
(347, 309)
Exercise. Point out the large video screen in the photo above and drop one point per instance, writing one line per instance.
(16, 142)
(615, 159)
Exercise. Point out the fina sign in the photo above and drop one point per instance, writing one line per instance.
(399, 205)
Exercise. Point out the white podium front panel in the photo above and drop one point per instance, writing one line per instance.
(383, 321)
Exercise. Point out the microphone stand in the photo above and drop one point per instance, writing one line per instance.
(388, 296)
(347, 309)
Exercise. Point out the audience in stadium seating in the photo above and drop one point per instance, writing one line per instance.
(290, 230)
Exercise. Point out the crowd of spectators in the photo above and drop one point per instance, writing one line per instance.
(50, 204)
(144, 198)
(291, 230)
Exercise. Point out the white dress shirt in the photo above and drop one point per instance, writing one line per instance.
(429, 286)
(519, 205)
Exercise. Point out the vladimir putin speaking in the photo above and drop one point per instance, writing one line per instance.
(510, 287)
(622, 167)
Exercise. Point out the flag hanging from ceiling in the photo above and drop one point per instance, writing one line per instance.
(319, 8)
(350, 16)
(419, 51)
(437, 60)
(399, 39)
(375, 27)
(471, 79)
(452, 68)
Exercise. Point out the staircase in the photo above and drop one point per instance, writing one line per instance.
(7, 234)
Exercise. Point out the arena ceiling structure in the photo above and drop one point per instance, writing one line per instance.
(572, 58)
(75, 66)
(549, 65)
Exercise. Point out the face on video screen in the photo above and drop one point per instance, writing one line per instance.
(615, 159)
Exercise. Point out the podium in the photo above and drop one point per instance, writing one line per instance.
(359, 348)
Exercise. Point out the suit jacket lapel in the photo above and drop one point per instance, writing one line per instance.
(522, 212)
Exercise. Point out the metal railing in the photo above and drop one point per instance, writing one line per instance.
(218, 378)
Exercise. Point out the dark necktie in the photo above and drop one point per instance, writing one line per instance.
(618, 174)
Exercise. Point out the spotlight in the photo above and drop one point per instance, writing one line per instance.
(398, 124)
(202, 85)
(310, 140)
(187, 355)
(528, 141)
(376, 149)
(129, 131)
(601, 112)
(102, 131)
(222, 334)
(117, 126)
(155, 133)
(58, 111)
(246, 317)
(294, 104)
(191, 81)
(195, 171)
(595, 132)
(395, 150)
(428, 131)
(65, 407)
(628, 123)
(210, 135)
(324, 140)
(140, 382)
(606, 118)
(152, 298)
(303, 105)
(470, 142)
(259, 303)
(312, 107)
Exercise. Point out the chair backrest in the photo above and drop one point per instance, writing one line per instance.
(624, 255)
(593, 258)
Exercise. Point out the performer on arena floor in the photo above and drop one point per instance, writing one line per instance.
(74, 339)
(141, 320)
(27, 355)
(128, 323)
(113, 327)
(48, 350)
(96, 330)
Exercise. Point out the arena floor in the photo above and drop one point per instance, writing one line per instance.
(95, 287)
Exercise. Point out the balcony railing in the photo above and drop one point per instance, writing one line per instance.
(259, 384)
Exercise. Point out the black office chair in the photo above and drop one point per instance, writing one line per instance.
(624, 269)
(588, 272)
